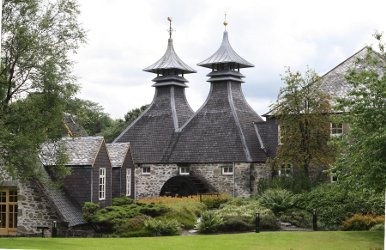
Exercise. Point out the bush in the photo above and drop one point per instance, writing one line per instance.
(239, 215)
(378, 227)
(108, 218)
(121, 201)
(210, 222)
(89, 209)
(214, 201)
(335, 203)
(278, 200)
(296, 217)
(133, 227)
(186, 213)
(359, 222)
(162, 227)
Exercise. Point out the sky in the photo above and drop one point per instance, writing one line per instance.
(125, 36)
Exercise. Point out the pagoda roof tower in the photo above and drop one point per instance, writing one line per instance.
(150, 134)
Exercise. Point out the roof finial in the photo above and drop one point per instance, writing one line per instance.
(225, 21)
(170, 27)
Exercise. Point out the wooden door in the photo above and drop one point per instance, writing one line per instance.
(8, 211)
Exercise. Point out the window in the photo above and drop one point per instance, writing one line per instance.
(336, 129)
(8, 211)
(227, 170)
(102, 183)
(128, 182)
(184, 170)
(285, 170)
(280, 133)
(145, 170)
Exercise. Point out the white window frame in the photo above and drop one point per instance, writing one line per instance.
(102, 183)
(227, 170)
(184, 171)
(287, 169)
(279, 135)
(128, 181)
(146, 170)
(336, 129)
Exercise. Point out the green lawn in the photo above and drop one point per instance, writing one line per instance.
(266, 240)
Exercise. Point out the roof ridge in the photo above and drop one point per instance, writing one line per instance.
(237, 121)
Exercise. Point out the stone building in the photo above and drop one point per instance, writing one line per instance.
(220, 148)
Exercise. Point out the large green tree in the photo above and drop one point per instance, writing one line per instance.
(363, 158)
(302, 112)
(35, 77)
(90, 115)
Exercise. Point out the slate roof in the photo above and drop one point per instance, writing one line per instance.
(117, 153)
(268, 133)
(334, 81)
(225, 54)
(168, 61)
(66, 209)
(222, 130)
(81, 151)
(151, 133)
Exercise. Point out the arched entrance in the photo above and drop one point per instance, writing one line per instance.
(183, 186)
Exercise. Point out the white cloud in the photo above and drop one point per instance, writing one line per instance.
(126, 36)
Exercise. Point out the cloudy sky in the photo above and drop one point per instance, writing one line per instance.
(126, 36)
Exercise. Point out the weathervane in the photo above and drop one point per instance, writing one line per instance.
(170, 27)
(225, 21)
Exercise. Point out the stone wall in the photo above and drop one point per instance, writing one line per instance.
(241, 184)
(33, 208)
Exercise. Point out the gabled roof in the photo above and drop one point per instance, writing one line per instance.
(117, 153)
(81, 151)
(334, 82)
(225, 54)
(168, 61)
(74, 129)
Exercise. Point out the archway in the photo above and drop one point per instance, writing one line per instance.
(183, 186)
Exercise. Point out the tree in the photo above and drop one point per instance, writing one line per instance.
(90, 115)
(118, 125)
(363, 158)
(35, 77)
(302, 112)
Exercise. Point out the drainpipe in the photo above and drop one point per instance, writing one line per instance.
(234, 172)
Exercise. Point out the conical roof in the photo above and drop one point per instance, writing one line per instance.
(225, 54)
(170, 60)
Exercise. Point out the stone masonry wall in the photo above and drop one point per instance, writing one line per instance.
(33, 208)
(242, 184)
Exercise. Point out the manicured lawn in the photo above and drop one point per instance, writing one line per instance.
(266, 240)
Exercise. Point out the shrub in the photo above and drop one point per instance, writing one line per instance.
(361, 222)
(378, 227)
(214, 201)
(186, 213)
(89, 209)
(121, 201)
(133, 227)
(210, 222)
(296, 217)
(335, 203)
(238, 216)
(278, 200)
(162, 227)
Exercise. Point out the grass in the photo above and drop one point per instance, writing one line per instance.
(339, 240)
